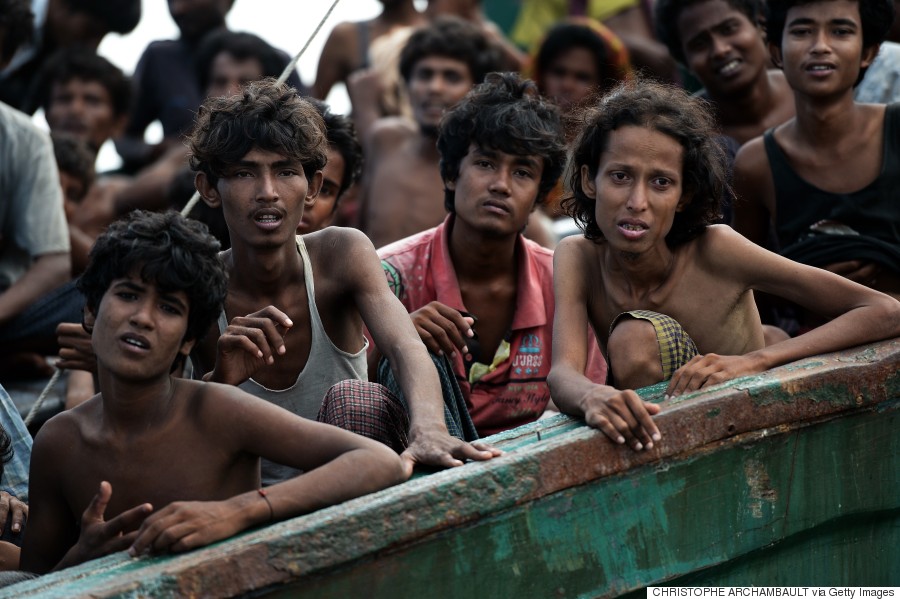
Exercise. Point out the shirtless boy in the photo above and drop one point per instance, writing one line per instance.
(154, 283)
(292, 325)
(837, 161)
(669, 295)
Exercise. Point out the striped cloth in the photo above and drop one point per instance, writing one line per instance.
(676, 347)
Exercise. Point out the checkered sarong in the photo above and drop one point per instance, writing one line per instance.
(367, 409)
(676, 347)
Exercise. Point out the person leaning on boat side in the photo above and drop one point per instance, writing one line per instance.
(670, 295)
(154, 284)
(477, 291)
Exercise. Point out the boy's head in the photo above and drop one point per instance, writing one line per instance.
(166, 250)
(875, 20)
(440, 63)
(671, 112)
(720, 41)
(196, 18)
(506, 114)
(75, 161)
(266, 115)
(667, 18)
(342, 170)
(85, 95)
(228, 60)
(16, 27)
(577, 59)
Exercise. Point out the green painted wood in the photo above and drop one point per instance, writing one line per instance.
(799, 466)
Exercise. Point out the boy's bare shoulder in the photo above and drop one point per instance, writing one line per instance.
(720, 247)
(70, 426)
(580, 248)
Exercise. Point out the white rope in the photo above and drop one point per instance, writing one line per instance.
(284, 75)
(42, 397)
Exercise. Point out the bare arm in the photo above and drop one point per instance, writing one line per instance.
(333, 65)
(393, 332)
(338, 465)
(857, 314)
(47, 272)
(621, 415)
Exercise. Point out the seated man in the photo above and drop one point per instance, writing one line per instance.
(477, 291)
(669, 294)
(828, 180)
(154, 284)
(292, 324)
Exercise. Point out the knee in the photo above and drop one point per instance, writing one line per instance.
(633, 352)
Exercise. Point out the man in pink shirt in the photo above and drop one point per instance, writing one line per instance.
(477, 291)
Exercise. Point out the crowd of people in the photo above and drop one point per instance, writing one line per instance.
(357, 295)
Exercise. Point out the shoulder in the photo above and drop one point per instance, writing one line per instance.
(540, 256)
(414, 244)
(16, 128)
(65, 430)
(335, 239)
(721, 248)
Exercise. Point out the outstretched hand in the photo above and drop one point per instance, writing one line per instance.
(622, 416)
(436, 447)
(249, 343)
(711, 369)
(443, 329)
(100, 537)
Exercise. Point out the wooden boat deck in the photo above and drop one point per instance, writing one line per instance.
(791, 477)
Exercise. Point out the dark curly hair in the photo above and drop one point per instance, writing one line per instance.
(666, 13)
(668, 110)
(454, 38)
(504, 113)
(172, 252)
(342, 138)
(81, 63)
(876, 18)
(267, 115)
(16, 27)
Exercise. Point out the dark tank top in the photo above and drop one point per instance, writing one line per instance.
(872, 211)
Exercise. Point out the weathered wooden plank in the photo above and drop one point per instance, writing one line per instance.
(759, 463)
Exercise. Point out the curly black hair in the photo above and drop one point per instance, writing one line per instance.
(170, 251)
(504, 113)
(668, 110)
(876, 17)
(454, 38)
(267, 115)
(241, 46)
(666, 13)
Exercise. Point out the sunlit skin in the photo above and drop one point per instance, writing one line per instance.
(228, 74)
(435, 84)
(83, 109)
(319, 215)
(722, 47)
(571, 77)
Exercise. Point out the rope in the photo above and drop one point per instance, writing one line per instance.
(281, 79)
(42, 397)
(192, 202)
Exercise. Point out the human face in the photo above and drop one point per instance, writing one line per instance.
(228, 75)
(263, 197)
(85, 110)
(722, 47)
(139, 330)
(195, 18)
(435, 84)
(73, 193)
(637, 188)
(571, 77)
(495, 191)
(822, 47)
(318, 216)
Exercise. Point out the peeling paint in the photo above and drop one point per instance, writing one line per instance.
(760, 487)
